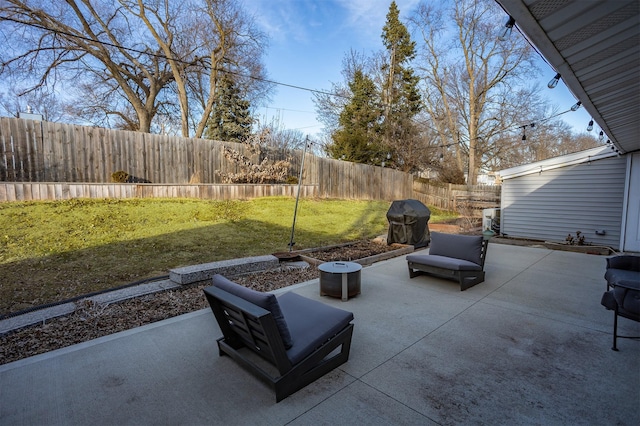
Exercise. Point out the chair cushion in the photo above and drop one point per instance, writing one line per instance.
(311, 323)
(266, 301)
(615, 276)
(465, 247)
(443, 262)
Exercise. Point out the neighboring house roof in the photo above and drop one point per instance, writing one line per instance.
(592, 154)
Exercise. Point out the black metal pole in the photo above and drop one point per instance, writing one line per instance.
(295, 211)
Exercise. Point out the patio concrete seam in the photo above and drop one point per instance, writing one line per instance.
(355, 379)
(515, 276)
(369, 385)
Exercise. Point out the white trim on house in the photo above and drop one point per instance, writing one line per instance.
(556, 162)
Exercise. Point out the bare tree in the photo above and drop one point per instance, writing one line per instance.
(278, 136)
(552, 139)
(201, 39)
(39, 102)
(80, 42)
(470, 78)
(133, 59)
(577, 142)
(236, 48)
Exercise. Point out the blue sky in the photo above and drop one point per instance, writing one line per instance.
(308, 40)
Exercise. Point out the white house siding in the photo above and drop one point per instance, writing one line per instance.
(551, 204)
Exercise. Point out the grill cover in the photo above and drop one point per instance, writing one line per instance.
(408, 223)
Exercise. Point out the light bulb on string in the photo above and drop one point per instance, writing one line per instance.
(576, 106)
(524, 130)
(590, 126)
(601, 135)
(508, 28)
(554, 81)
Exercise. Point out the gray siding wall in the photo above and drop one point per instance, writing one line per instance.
(554, 203)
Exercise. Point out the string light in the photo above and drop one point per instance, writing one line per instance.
(554, 81)
(524, 130)
(601, 135)
(576, 106)
(590, 126)
(508, 28)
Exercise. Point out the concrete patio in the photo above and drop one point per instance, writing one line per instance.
(530, 345)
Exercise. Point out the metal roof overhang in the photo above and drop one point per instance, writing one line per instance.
(595, 46)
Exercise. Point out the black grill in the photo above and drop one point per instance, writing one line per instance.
(408, 223)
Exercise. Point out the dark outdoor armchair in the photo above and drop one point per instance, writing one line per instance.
(296, 335)
(623, 291)
(457, 257)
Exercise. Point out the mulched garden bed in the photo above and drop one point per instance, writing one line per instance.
(92, 320)
(352, 251)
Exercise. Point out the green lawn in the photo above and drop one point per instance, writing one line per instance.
(51, 251)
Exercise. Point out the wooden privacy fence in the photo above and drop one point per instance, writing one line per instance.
(468, 200)
(345, 180)
(465, 200)
(51, 161)
(34, 151)
(27, 191)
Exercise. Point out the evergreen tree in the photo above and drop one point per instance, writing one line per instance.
(357, 138)
(230, 119)
(400, 96)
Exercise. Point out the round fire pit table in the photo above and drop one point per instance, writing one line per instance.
(340, 279)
